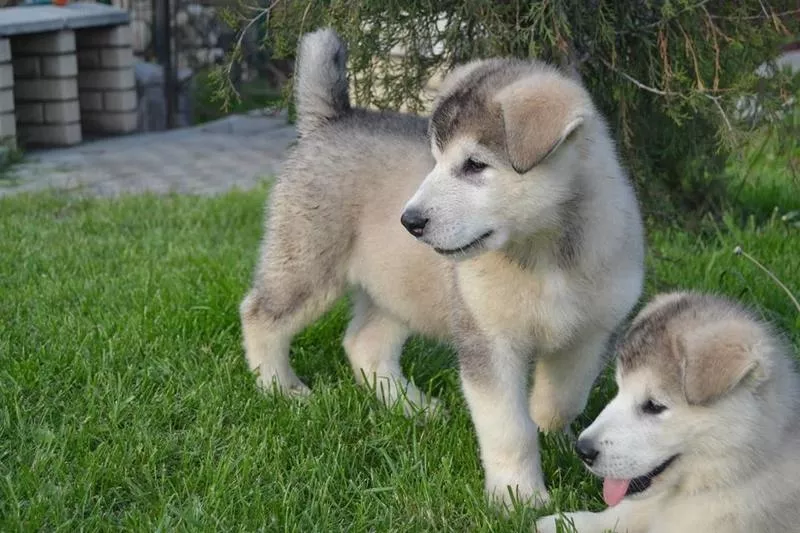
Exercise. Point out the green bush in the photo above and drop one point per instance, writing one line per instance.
(667, 73)
(252, 95)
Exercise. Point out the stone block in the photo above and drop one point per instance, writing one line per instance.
(6, 100)
(46, 89)
(120, 100)
(27, 67)
(140, 28)
(56, 42)
(5, 50)
(51, 134)
(91, 100)
(6, 76)
(60, 66)
(30, 113)
(107, 79)
(116, 36)
(89, 58)
(116, 57)
(62, 112)
(8, 126)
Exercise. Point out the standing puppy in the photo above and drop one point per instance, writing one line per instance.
(704, 433)
(522, 243)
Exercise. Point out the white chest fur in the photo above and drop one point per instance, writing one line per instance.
(535, 308)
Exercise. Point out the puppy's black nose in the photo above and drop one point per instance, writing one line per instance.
(586, 451)
(414, 221)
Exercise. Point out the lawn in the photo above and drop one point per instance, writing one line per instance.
(125, 402)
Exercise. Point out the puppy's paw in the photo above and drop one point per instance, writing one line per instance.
(430, 409)
(286, 384)
(546, 524)
(508, 493)
(554, 410)
(556, 524)
(551, 420)
(396, 390)
(578, 522)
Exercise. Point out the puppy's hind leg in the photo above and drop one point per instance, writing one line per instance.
(563, 380)
(269, 322)
(286, 297)
(271, 315)
(374, 343)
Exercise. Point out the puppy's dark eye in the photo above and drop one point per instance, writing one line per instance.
(652, 408)
(472, 166)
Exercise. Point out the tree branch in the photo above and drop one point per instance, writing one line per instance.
(637, 82)
(661, 92)
(715, 99)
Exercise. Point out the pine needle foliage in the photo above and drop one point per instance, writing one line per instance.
(667, 73)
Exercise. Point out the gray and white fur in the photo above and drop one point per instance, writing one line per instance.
(522, 246)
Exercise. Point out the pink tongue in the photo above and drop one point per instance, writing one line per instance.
(614, 490)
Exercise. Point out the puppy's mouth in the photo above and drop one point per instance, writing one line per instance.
(477, 243)
(614, 490)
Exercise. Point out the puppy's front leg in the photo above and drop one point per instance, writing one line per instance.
(494, 380)
(627, 517)
(562, 381)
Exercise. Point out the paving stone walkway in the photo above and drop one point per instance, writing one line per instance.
(236, 151)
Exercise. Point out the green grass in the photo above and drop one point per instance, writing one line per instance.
(765, 173)
(125, 402)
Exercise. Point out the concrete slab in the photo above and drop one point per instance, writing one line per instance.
(23, 20)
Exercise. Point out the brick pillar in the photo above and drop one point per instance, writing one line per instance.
(8, 123)
(46, 89)
(106, 81)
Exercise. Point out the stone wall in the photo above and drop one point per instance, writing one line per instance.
(200, 37)
(8, 122)
(46, 88)
(106, 81)
(58, 86)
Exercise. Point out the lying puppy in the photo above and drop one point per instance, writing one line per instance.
(704, 433)
(504, 225)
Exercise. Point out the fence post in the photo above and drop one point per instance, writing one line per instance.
(163, 48)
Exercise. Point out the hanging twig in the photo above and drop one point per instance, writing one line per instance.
(637, 82)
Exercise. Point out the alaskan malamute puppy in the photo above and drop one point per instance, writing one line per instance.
(704, 433)
(504, 225)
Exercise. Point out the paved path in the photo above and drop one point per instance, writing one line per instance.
(236, 151)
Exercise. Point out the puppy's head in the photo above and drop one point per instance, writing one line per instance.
(507, 137)
(692, 372)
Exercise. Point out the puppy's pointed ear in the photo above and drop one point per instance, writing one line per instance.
(456, 77)
(538, 118)
(718, 359)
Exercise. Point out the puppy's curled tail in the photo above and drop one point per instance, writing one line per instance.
(321, 91)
